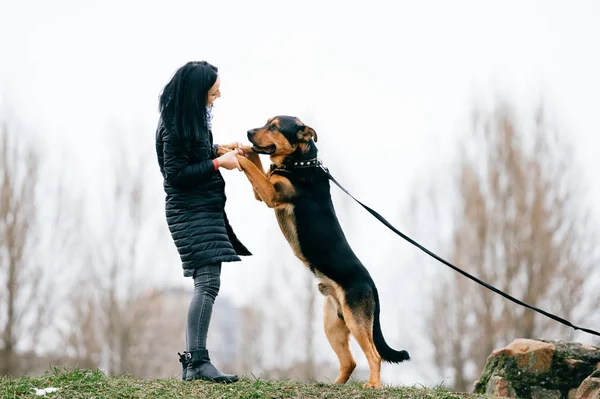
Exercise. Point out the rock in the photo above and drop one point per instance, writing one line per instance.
(541, 393)
(590, 387)
(538, 369)
(498, 386)
(574, 363)
(531, 356)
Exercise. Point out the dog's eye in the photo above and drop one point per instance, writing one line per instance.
(272, 128)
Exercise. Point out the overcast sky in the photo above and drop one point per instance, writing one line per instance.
(387, 85)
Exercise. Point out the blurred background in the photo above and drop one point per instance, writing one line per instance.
(470, 125)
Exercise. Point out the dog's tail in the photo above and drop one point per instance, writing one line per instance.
(387, 354)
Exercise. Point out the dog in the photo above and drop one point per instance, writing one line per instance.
(297, 188)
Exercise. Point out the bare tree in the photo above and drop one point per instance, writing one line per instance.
(19, 169)
(521, 225)
(27, 246)
(119, 262)
(250, 349)
(82, 337)
(311, 294)
(37, 214)
(110, 314)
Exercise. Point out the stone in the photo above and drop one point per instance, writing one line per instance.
(590, 387)
(531, 355)
(541, 393)
(498, 386)
(538, 369)
(575, 363)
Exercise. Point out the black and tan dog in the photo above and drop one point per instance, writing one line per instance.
(297, 188)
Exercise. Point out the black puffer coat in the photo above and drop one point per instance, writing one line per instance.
(195, 201)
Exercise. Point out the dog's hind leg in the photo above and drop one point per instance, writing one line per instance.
(338, 336)
(359, 319)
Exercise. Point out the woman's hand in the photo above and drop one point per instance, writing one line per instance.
(229, 159)
(232, 146)
(225, 148)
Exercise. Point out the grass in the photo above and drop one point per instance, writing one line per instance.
(79, 383)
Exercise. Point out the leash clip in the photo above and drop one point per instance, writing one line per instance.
(320, 163)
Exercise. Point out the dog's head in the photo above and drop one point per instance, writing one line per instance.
(281, 136)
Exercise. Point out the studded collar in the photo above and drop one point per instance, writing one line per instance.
(289, 167)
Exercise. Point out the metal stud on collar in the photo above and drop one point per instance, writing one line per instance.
(311, 162)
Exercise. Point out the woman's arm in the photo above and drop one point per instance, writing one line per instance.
(178, 172)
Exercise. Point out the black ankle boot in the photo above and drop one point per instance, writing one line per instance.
(200, 368)
(184, 364)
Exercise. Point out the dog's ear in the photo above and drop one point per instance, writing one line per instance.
(305, 133)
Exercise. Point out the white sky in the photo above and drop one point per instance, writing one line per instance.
(387, 85)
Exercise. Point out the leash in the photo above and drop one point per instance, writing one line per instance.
(455, 268)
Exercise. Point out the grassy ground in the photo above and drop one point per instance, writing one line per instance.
(94, 384)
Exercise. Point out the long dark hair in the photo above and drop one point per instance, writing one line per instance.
(182, 103)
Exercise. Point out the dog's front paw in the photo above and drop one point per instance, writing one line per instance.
(222, 150)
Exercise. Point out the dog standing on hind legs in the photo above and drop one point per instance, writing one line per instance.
(297, 188)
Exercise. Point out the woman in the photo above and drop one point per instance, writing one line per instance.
(195, 201)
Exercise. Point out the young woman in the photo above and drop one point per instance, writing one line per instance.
(195, 201)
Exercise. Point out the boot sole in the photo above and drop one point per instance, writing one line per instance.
(216, 381)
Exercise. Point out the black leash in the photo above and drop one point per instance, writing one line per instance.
(428, 252)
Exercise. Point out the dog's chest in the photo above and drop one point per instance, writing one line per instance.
(287, 224)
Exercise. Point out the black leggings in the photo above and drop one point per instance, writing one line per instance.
(207, 281)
